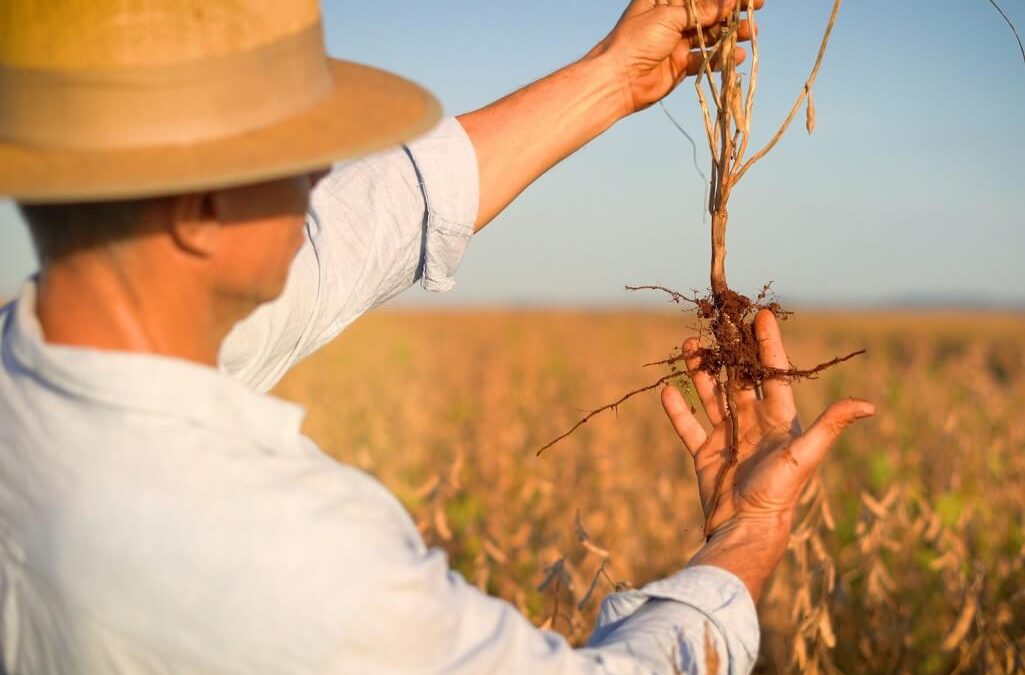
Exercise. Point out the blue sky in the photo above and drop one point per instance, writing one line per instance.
(911, 186)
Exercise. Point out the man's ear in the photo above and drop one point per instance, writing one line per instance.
(195, 225)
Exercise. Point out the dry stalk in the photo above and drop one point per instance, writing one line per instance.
(806, 91)
(1014, 29)
(562, 579)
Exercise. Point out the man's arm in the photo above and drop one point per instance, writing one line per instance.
(379, 224)
(520, 137)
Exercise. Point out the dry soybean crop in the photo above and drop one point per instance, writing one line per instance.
(910, 557)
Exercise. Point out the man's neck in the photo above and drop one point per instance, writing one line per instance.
(98, 301)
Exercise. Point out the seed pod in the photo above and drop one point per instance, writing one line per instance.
(800, 652)
(961, 627)
(827, 516)
(826, 630)
(878, 509)
(711, 652)
(818, 548)
(809, 122)
(441, 524)
(737, 108)
(494, 552)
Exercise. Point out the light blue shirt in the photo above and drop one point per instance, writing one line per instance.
(157, 516)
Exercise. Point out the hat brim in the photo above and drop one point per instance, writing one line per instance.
(368, 110)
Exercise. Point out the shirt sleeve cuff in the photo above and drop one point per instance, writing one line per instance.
(446, 167)
(718, 595)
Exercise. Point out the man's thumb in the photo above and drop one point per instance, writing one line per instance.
(812, 446)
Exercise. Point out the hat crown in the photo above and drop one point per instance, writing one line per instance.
(121, 99)
(70, 35)
(129, 73)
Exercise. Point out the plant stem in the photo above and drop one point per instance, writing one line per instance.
(719, 287)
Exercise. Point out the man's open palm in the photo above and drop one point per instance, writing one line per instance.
(774, 459)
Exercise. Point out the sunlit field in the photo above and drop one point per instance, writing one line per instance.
(910, 559)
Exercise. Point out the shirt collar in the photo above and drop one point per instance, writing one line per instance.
(149, 383)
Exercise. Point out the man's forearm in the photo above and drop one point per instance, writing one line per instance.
(520, 137)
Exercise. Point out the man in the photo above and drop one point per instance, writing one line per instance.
(158, 514)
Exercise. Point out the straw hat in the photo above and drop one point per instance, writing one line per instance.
(114, 99)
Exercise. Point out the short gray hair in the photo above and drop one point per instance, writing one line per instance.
(61, 229)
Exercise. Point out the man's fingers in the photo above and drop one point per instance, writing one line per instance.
(681, 20)
(696, 59)
(714, 34)
(725, 5)
(680, 61)
(686, 425)
(704, 384)
(772, 354)
(707, 13)
(809, 450)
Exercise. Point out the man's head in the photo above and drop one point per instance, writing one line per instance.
(209, 105)
(238, 242)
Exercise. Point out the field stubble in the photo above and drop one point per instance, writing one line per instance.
(909, 559)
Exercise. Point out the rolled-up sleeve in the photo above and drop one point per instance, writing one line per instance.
(375, 227)
(700, 620)
(448, 627)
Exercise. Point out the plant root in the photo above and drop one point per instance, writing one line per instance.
(733, 359)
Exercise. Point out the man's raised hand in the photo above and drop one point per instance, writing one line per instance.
(654, 45)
